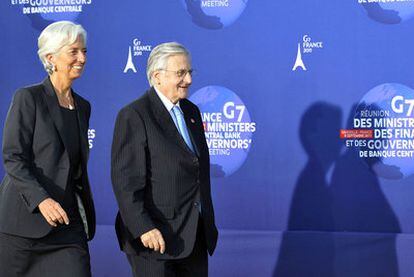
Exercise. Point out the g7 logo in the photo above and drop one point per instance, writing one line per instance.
(230, 109)
(399, 105)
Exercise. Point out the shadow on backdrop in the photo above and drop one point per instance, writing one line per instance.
(306, 248)
(360, 206)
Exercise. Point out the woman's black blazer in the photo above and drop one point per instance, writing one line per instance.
(37, 163)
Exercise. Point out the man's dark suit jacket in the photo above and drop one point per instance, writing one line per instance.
(37, 163)
(158, 181)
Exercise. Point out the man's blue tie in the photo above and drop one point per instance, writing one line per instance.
(182, 127)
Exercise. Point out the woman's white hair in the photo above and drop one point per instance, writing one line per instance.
(158, 57)
(54, 37)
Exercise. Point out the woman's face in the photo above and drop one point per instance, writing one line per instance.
(70, 60)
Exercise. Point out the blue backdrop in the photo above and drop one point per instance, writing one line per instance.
(282, 78)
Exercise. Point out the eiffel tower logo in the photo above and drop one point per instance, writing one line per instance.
(299, 62)
(130, 65)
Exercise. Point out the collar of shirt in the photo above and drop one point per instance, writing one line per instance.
(167, 103)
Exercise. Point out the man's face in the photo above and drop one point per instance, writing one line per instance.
(174, 80)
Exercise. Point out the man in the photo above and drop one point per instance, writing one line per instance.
(161, 176)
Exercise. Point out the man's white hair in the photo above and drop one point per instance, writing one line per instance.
(158, 57)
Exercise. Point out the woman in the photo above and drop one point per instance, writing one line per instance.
(46, 208)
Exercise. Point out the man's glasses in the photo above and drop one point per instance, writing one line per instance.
(181, 73)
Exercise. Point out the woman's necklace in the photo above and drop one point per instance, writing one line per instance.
(66, 102)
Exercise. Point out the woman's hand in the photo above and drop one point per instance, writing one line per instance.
(53, 212)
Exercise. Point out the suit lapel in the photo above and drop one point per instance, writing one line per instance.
(83, 128)
(56, 115)
(165, 121)
(54, 110)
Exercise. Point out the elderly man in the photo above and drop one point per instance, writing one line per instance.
(160, 174)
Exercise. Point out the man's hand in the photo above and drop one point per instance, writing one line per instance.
(153, 239)
(53, 212)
